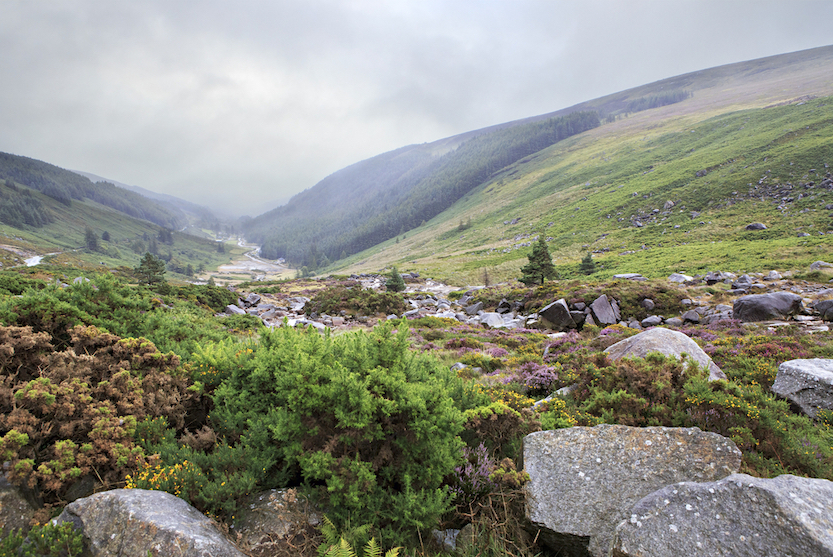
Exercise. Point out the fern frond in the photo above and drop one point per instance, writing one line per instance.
(372, 549)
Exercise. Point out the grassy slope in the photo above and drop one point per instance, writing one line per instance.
(729, 127)
(66, 235)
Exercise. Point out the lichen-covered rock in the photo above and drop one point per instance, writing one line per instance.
(584, 480)
(278, 522)
(139, 522)
(738, 516)
(806, 383)
(667, 342)
(765, 307)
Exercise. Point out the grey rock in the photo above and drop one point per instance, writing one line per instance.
(738, 515)
(679, 277)
(668, 204)
(667, 342)
(818, 265)
(629, 276)
(252, 299)
(446, 539)
(15, 510)
(691, 316)
(492, 320)
(652, 321)
(765, 307)
(825, 309)
(274, 521)
(674, 322)
(756, 226)
(648, 304)
(234, 310)
(773, 275)
(605, 310)
(136, 522)
(806, 383)
(583, 480)
(474, 308)
(557, 316)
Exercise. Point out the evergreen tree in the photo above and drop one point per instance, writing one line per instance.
(221, 247)
(91, 239)
(395, 282)
(150, 270)
(588, 266)
(105, 236)
(540, 265)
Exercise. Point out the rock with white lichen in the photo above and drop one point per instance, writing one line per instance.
(584, 480)
(739, 516)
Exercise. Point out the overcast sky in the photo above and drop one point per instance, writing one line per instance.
(240, 104)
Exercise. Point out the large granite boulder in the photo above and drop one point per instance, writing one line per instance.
(278, 522)
(492, 320)
(806, 383)
(667, 342)
(766, 307)
(605, 310)
(557, 316)
(739, 515)
(139, 522)
(584, 480)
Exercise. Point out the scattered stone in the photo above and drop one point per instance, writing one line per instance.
(15, 511)
(651, 321)
(557, 316)
(756, 226)
(808, 384)
(276, 522)
(138, 522)
(679, 277)
(666, 342)
(492, 320)
(825, 309)
(738, 515)
(648, 304)
(234, 310)
(691, 316)
(584, 480)
(773, 275)
(766, 307)
(629, 276)
(818, 265)
(674, 322)
(474, 308)
(605, 310)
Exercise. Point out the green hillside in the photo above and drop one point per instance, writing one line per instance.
(120, 240)
(375, 200)
(750, 143)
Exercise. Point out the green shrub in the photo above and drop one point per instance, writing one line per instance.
(44, 541)
(356, 301)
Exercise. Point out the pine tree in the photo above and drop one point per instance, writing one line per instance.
(395, 282)
(150, 270)
(91, 239)
(588, 266)
(540, 265)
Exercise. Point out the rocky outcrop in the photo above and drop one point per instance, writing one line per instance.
(277, 522)
(584, 481)
(138, 523)
(667, 342)
(808, 384)
(739, 515)
(765, 307)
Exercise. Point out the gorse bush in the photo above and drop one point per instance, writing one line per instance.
(65, 415)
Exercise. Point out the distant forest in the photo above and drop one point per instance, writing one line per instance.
(388, 195)
(65, 186)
